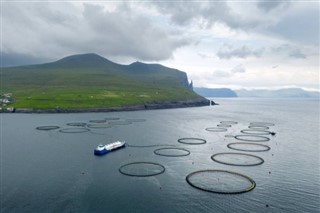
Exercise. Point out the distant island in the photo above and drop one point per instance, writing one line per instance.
(280, 93)
(257, 93)
(91, 83)
(217, 92)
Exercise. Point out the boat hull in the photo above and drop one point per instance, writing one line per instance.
(101, 152)
(105, 151)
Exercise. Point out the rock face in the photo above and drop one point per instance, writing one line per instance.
(185, 82)
(212, 103)
(177, 104)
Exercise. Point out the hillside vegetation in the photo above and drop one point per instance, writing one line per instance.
(91, 81)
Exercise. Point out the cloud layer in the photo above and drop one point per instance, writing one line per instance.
(57, 29)
(245, 43)
(228, 52)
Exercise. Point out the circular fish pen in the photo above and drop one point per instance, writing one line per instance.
(255, 132)
(252, 138)
(77, 124)
(216, 129)
(255, 127)
(112, 119)
(248, 147)
(142, 169)
(99, 126)
(262, 124)
(237, 159)
(172, 152)
(74, 130)
(192, 141)
(120, 122)
(220, 181)
(98, 121)
(229, 122)
(224, 125)
(47, 127)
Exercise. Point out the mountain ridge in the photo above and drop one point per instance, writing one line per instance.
(279, 93)
(215, 92)
(257, 93)
(89, 58)
(92, 81)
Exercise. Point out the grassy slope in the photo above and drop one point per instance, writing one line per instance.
(89, 81)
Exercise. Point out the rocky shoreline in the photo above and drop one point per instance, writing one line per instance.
(146, 106)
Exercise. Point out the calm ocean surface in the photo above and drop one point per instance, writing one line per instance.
(50, 171)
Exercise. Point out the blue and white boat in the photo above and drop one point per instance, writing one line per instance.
(104, 149)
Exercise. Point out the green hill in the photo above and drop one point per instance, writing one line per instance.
(91, 81)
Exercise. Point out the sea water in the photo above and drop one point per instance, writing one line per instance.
(51, 171)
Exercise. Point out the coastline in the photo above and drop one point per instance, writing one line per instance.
(146, 106)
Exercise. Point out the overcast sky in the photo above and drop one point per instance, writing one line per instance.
(234, 44)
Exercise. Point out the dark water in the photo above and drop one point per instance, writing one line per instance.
(50, 171)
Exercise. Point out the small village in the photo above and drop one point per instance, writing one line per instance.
(6, 99)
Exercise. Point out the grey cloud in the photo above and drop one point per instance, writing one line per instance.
(34, 28)
(54, 30)
(204, 14)
(131, 35)
(17, 59)
(225, 74)
(270, 5)
(277, 18)
(301, 27)
(290, 51)
(205, 56)
(228, 52)
(238, 69)
(297, 54)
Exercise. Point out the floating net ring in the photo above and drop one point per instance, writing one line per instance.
(47, 127)
(77, 124)
(237, 159)
(258, 127)
(224, 125)
(252, 138)
(112, 119)
(142, 169)
(229, 136)
(99, 126)
(172, 152)
(136, 120)
(74, 130)
(228, 122)
(148, 146)
(220, 181)
(216, 129)
(261, 124)
(120, 122)
(192, 141)
(248, 147)
(255, 132)
(98, 121)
